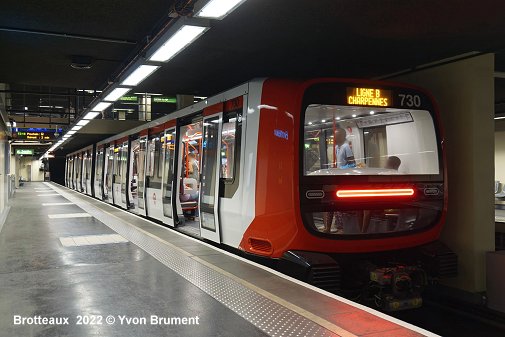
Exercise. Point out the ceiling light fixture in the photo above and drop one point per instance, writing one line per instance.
(83, 122)
(101, 106)
(76, 128)
(218, 9)
(177, 42)
(91, 115)
(139, 74)
(71, 132)
(116, 94)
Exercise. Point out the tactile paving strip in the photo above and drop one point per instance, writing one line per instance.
(267, 315)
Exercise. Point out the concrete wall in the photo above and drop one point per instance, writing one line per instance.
(465, 94)
(27, 167)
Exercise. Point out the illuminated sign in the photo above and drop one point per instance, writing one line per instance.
(25, 152)
(35, 133)
(164, 99)
(130, 98)
(368, 96)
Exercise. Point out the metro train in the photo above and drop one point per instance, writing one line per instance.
(337, 182)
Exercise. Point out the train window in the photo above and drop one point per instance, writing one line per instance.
(169, 150)
(155, 161)
(99, 164)
(228, 148)
(141, 171)
(210, 166)
(117, 167)
(344, 140)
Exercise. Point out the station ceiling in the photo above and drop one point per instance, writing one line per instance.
(287, 38)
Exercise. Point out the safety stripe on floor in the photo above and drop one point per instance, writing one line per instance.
(47, 195)
(57, 203)
(69, 215)
(271, 317)
(89, 240)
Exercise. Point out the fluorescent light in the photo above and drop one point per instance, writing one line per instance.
(177, 42)
(116, 94)
(338, 118)
(76, 128)
(139, 74)
(354, 115)
(372, 112)
(101, 106)
(71, 132)
(91, 115)
(83, 122)
(218, 9)
(503, 117)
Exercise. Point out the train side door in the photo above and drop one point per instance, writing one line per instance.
(209, 178)
(124, 174)
(168, 176)
(141, 168)
(109, 173)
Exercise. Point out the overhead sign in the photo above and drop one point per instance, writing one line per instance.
(368, 97)
(130, 98)
(164, 99)
(25, 152)
(34, 133)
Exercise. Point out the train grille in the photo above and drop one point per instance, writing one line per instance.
(260, 245)
(326, 277)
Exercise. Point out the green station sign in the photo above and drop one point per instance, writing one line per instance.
(25, 152)
(164, 99)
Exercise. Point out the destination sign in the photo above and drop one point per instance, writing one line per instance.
(368, 96)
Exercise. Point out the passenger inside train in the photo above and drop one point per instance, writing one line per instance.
(352, 140)
(191, 139)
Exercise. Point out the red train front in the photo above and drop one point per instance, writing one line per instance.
(354, 170)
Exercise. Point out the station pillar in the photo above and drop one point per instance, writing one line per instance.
(464, 91)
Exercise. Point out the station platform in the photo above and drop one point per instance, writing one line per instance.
(66, 255)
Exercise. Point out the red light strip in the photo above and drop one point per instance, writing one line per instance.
(389, 192)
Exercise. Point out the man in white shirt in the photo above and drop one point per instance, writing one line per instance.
(343, 152)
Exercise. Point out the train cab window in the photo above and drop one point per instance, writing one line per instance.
(344, 140)
(361, 143)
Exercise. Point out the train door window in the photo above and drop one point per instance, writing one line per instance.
(124, 162)
(141, 170)
(210, 147)
(169, 151)
(110, 170)
(99, 168)
(85, 166)
(231, 135)
(117, 167)
(155, 161)
(228, 148)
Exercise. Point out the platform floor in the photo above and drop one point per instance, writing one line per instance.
(61, 256)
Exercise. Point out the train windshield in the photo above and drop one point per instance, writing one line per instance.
(355, 140)
(371, 161)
